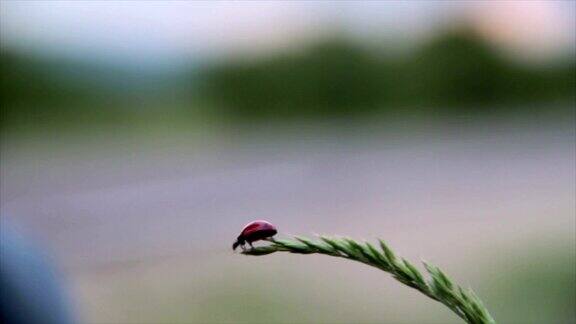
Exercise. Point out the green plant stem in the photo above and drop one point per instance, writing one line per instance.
(437, 286)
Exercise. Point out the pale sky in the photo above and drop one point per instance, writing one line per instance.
(163, 32)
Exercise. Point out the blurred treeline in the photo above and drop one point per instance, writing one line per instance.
(38, 93)
(456, 72)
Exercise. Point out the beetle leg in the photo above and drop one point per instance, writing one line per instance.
(251, 246)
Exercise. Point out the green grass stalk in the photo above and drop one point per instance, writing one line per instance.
(436, 285)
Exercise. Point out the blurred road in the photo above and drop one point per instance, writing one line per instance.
(105, 206)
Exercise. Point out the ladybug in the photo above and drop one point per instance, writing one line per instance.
(255, 231)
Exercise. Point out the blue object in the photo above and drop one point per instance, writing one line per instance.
(30, 291)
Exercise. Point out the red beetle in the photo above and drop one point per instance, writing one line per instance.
(255, 231)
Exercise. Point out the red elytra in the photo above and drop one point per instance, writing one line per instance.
(255, 231)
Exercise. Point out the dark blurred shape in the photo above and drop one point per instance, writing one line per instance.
(31, 291)
(456, 72)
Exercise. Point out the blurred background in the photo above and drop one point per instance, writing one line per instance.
(137, 139)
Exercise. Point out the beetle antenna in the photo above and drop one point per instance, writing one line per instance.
(235, 245)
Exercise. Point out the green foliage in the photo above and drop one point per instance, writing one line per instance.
(456, 72)
(438, 287)
(330, 79)
(41, 92)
